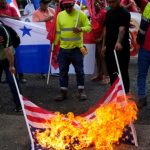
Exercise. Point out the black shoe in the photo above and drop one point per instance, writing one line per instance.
(18, 109)
(82, 96)
(4, 81)
(62, 96)
(141, 102)
(43, 76)
(22, 80)
(55, 74)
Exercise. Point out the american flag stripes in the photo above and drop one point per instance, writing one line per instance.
(37, 116)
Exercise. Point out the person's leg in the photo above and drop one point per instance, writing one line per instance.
(21, 78)
(123, 59)
(143, 66)
(111, 67)
(98, 75)
(12, 85)
(105, 77)
(64, 62)
(77, 61)
(1, 72)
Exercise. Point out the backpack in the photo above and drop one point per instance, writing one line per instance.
(13, 35)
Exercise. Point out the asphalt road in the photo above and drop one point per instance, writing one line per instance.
(13, 131)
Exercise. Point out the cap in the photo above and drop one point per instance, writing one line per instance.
(68, 1)
(44, 1)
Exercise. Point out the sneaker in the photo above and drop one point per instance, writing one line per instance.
(82, 96)
(18, 109)
(97, 78)
(105, 81)
(62, 96)
(22, 80)
(4, 81)
(43, 76)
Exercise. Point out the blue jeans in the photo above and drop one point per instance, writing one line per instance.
(143, 66)
(65, 58)
(4, 64)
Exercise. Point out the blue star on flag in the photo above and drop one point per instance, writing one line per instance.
(25, 31)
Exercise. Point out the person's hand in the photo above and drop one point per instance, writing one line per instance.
(118, 46)
(77, 30)
(12, 69)
(103, 50)
(49, 18)
(1, 40)
(98, 40)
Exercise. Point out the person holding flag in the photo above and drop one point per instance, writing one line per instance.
(7, 63)
(116, 37)
(70, 25)
(7, 11)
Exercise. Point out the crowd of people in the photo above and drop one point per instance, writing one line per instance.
(111, 32)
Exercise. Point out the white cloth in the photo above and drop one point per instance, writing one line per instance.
(29, 9)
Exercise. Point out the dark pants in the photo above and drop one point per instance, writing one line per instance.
(123, 59)
(4, 65)
(143, 67)
(65, 58)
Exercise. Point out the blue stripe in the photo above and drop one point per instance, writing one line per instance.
(32, 58)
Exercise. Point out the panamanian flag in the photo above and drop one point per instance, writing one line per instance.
(33, 54)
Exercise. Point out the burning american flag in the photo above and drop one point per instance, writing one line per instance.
(103, 125)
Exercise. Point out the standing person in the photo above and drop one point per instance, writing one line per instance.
(116, 37)
(143, 39)
(29, 9)
(9, 12)
(71, 45)
(102, 74)
(43, 13)
(53, 4)
(7, 63)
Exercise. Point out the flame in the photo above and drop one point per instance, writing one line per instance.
(75, 132)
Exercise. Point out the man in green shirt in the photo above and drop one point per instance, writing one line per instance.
(71, 24)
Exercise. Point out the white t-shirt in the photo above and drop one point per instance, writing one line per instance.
(29, 9)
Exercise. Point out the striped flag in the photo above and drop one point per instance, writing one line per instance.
(14, 4)
(37, 116)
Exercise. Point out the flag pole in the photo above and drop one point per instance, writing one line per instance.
(50, 61)
(24, 113)
(78, 14)
(125, 97)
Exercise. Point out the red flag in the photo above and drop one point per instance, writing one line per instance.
(51, 28)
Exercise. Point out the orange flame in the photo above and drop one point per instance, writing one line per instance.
(70, 132)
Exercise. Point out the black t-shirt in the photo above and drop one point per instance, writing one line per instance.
(114, 19)
(4, 33)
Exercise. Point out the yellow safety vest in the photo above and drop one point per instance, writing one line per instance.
(64, 29)
(146, 13)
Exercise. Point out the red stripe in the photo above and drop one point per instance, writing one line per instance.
(102, 100)
(38, 110)
(36, 119)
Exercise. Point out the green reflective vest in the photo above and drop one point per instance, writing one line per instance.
(64, 29)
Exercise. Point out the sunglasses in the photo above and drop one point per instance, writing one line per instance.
(68, 6)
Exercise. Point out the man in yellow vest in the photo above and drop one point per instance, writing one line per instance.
(71, 24)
